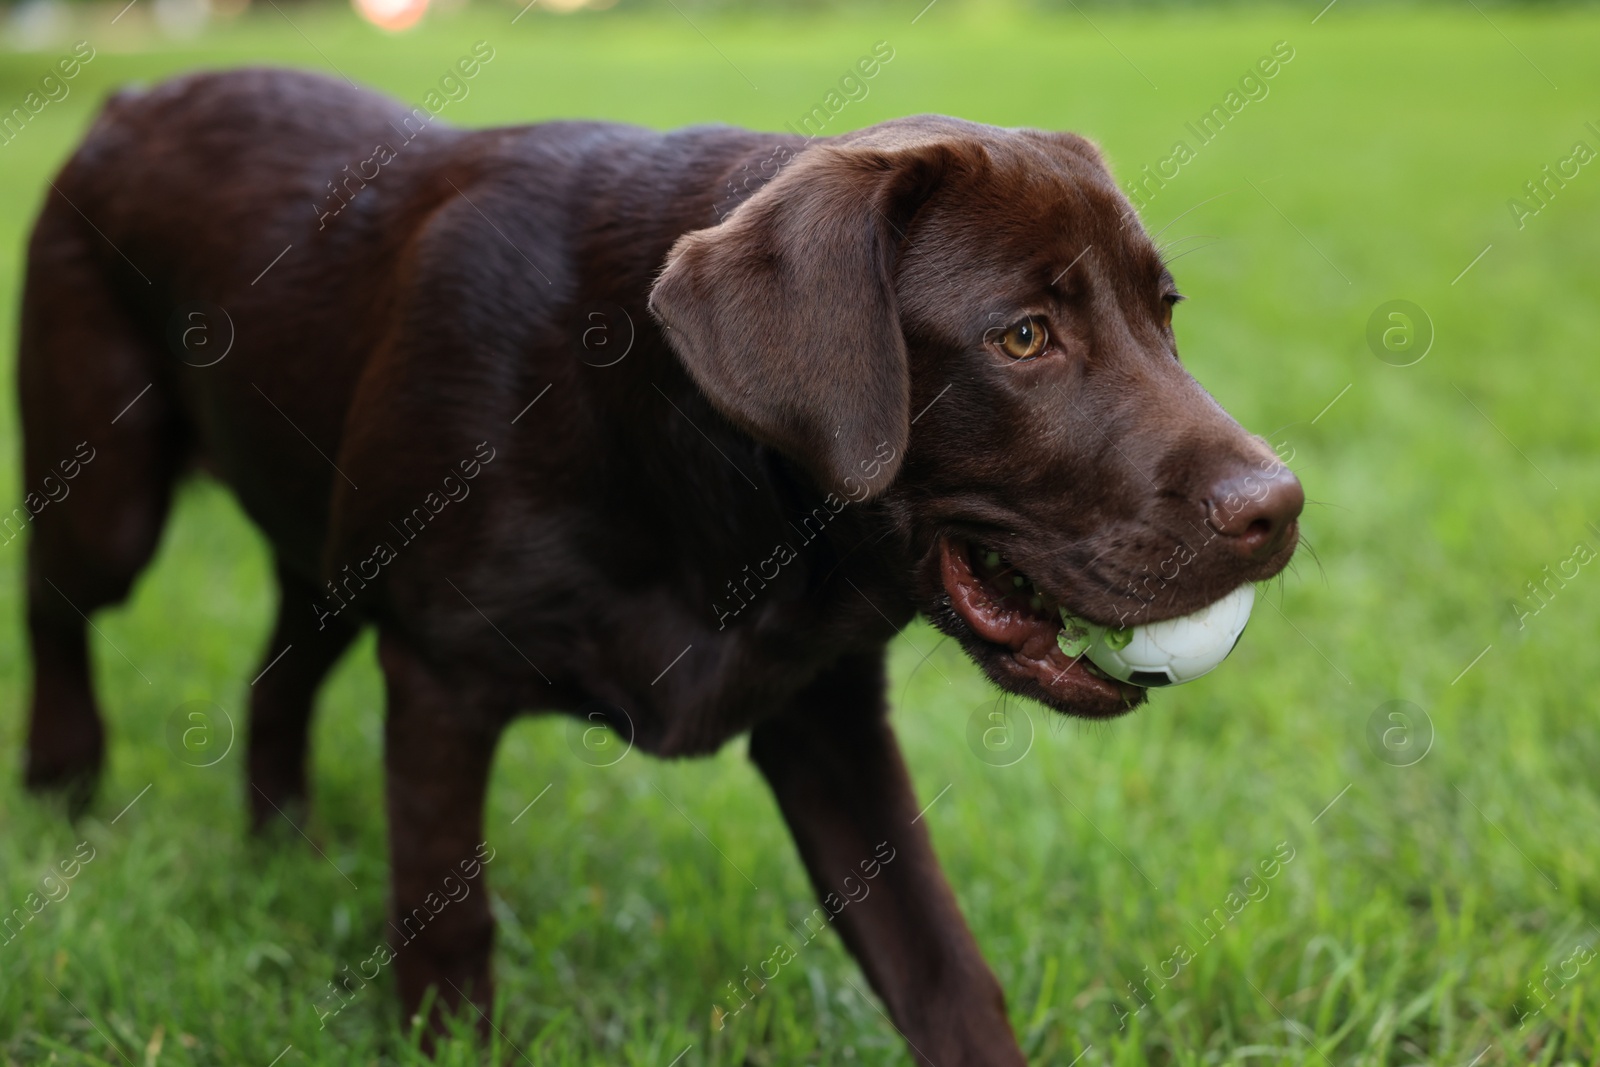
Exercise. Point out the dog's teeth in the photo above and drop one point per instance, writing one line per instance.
(1036, 602)
(991, 559)
(1017, 582)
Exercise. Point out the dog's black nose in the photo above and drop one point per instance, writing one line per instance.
(1256, 511)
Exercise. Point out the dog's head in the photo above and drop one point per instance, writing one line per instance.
(971, 325)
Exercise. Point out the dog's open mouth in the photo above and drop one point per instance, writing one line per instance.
(1005, 609)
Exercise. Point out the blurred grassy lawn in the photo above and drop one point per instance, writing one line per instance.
(1418, 908)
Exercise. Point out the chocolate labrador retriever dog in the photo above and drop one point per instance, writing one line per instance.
(670, 430)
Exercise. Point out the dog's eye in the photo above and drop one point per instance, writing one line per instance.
(1024, 340)
(1168, 302)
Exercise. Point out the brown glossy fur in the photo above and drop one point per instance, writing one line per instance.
(806, 366)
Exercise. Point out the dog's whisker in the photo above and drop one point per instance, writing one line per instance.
(931, 652)
(1181, 215)
(1162, 250)
(1315, 558)
(1180, 255)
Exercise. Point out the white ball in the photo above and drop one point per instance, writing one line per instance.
(1175, 650)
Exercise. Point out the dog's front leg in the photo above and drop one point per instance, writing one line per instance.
(439, 741)
(836, 769)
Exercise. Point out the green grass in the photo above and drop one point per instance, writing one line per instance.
(1416, 910)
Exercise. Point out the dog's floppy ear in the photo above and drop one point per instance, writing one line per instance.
(785, 313)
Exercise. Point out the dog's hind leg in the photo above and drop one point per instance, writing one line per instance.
(306, 642)
(102, 445)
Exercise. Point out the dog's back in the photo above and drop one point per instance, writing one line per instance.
(285, 217)
(228, 257)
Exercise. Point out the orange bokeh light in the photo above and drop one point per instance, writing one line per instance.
(391, 15)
